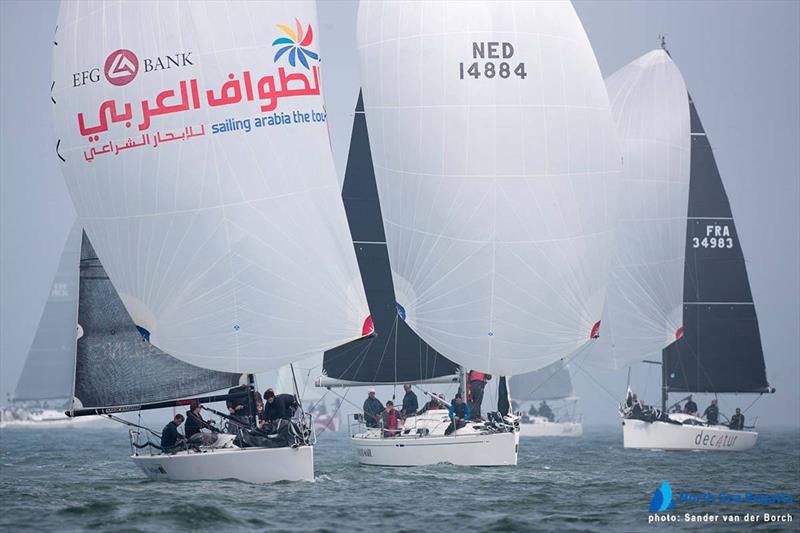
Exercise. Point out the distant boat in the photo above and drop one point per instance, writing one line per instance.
(679, 285)
(200, 167)
(552, 383)
(46, 379)
(494, 154)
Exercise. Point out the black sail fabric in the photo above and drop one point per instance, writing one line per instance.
(552, 382)
(115, 365)
(395, 353)
(720, 350)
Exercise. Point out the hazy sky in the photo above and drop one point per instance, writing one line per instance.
(740, 60)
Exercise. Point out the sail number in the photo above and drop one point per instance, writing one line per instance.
(713, 242)
(717, 236)
(490, 70)
(490, 50)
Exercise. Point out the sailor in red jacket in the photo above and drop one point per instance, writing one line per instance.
(476, 382)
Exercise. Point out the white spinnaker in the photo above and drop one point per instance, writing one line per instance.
(645, 293)
(496, 192)
(230, 247)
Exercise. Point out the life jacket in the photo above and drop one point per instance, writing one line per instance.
(392, 420)
(474, 375)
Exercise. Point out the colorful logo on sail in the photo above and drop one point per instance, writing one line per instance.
(296, 43)
(121, 67)
(662, 499)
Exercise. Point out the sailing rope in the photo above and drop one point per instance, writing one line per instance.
(344, 398)
(569, 359)
(335, 412)
(613, 397)
(752, 403)
(127, 423)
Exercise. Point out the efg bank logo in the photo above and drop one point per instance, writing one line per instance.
(121, 67)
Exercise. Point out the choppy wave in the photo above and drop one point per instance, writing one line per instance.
(66, 480)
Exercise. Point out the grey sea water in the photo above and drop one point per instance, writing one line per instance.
(71, 479)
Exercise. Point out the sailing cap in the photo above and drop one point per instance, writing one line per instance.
(371, 390)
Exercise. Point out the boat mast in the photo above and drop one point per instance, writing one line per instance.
(251, 408)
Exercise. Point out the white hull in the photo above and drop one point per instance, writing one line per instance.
(551, 429)
(253, 465)
(422, 442)
(666, 436)
(494, 449)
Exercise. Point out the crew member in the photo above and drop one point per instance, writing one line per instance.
(391, 420)
(712, 413)
(737, 420)
(532, 411)
(170, 435)
(279, 407)
(459, 413)
(195, 425)
(477, 382)
(637, 411)
(237, 407)
(410, 402)
(432, 405)
(545, 411)
(372, 409)
(690, 408)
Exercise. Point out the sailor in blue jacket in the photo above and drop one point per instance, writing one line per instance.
(459, 413)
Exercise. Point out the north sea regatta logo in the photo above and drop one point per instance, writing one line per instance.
(718, 506)
(662, 499)
(121, 67)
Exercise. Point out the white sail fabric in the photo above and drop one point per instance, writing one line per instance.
(197, 154)
(645, 292)
(496, 182)
(305, 373)
(50, 367)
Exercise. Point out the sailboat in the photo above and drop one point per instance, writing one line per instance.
(391, 353)
(679, 285)
(46, 379)
(552, 383)
(495, 161)
(216, 244)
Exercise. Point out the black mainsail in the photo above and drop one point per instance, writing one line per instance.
(719, 347)
(116, 369)
(394, 354)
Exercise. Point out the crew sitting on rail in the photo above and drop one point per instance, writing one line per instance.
(410, 402)
(195, 425)
(170, 437)
(690, 408)
(459, 413)
(640, 411)
(391, 420)
(372, 409)
(737, 420)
